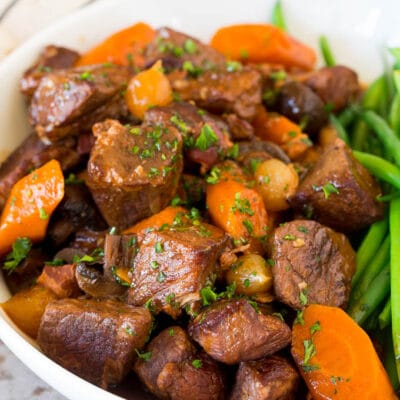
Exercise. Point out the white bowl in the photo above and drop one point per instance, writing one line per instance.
(358, 30)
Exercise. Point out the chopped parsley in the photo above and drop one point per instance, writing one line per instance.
(329, 188)
(159, 248)
(191, 69)
(214, 176)
(233, 66)
(246, 283)
(171, 332)
(206, 139)
(179, 123)
(143, 356)
(20, 250)
(290, 237)
(278, 75)
(43, 214)
(248, 225)
(57, 262)
(303, 297)
(154, 264)
(208, 296)
(72, 179)
(160, 277)
(315, 327)
(190, 46)
(309, 351)
(242, 205)
(130, 331)
(233, 152)
(302, 229)
(197, 364)
(86, 76)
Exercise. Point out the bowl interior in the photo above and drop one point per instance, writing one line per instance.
(358, 32)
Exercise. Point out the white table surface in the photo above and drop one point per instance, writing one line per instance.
(19, 19)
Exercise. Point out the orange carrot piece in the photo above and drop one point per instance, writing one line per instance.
(31, 202)
(165, 216)
(124, 47)
(337, 358)
(26, 308)
(238, 210)
(147, 89)
(282, 131)
(262, 43)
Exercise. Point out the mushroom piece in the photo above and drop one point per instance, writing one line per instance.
(93, 282)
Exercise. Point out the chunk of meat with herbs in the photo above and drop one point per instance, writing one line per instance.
(271, 378)
(231, 331)
(311, 264)
(205, 136)
(76, 211)
(338, 191)
(94, 339)
(174, 263)
(172, 368)
(32, 153)
(236, 90)
(133, 172)
(178, 50)
(50, 59)
(70, 101)
(337, 86)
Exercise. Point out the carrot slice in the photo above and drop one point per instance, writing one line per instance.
(31, 202)
(282, 131)
(124, 47)
(164, 217)
(262, 43)
(337, 358)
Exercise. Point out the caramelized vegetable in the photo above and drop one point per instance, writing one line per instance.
(147, 89)
(124, 47)
(237, 209)
(337, 358)
(27, 307)
(252, 277)
(29, 207)
(276, 181)
(282, 131)
(262, 43)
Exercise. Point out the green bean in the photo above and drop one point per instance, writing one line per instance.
(379, 167)
(385, 315)
(277, 16)
(359, 135)
(348, 115)
(369, 247)
(373, 297)
(339, 129)
(386, 135)
(394, 225)
(326, 51)
(394, 115)
(389, 361)
(388, 197)
(371, 323)
(371, 271)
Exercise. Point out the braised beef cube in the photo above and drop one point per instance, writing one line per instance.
(337, 86)
(300, 104)
(192, 189)
(133, 172)
(272, 378)
(172, 266)
(221, 91)
(60, 279)
(69, 101)
(257, 146)
(231, 331)
(27, 271)
(240, 129)
(312, 264)
(50, 59)
(338, 191)
(94, 339)
(173, 369)
(32, 153)
(175, 48)
(206, 137)
(76, 212)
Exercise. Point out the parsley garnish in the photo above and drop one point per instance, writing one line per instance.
(214, 176)
(197, 364)
(290, 237)
(206, 139)
(242, 205)
(20, 250)
(160, 277)
(171, 332)
(208, 296)
(57, 262)
(130, 331)
(302, 228)
(329, 188)
(190, 46)
(143, 356)
(315, 327)
(86, 76)
(179, 123)
(191, 69)
(42, 213)
(159, 247)
(73, 180)
(248, 225)
(278, 75)
(233, 66)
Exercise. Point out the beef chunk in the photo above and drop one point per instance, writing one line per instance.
(231, 331)
(240, 129)
(172, 266)
(193, 123)
(271, 150)
(272, 378)
(70, 101)
(133, 172)
(76, 212)
(31, 154)
(94, 339)
(51, 58)
(301, 105)
(337, 86)
(313, 264)
(61, 280)
(175, 48)
(176, 371)
(221, 91)
(192, 189)
(338, 191)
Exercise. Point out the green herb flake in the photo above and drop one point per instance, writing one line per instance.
(302, 229)
(233, 152)
(248, 225)
(309, 351)
(190, 46)
(135, 149)
(57, 262)
(143, 356)
(159, 248)
(214, 176)
(154, 264)
(246, 283)
(278, 75)
(303, 297)
(315, 327)
(329, 188)
(130, 331)
(160, 277)
(171, 332)
(299, 318)
(242, 205)
(206, 139)
(197, 364)
(179, 123)
(43, 214)
(233, 66)
(290, 237)
(208, 296)
(153, 172)
(19, 252)
(72, 179)
(86, 76)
